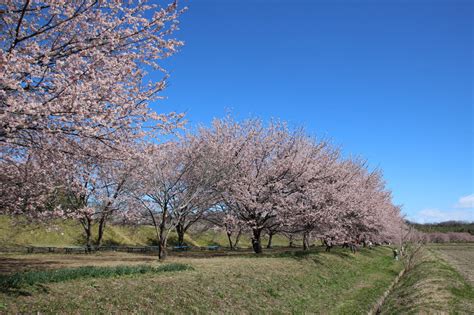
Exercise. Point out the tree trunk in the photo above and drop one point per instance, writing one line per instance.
(237, 239)
(180, 231)
(86, 223)
(88, 229)
(305, 241)
(229, 237)
(162, 243)
(270, 236)
(257, 241)
(100, 234)
(291, 241)
(162, 253)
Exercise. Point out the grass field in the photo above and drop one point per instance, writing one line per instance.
(277, 282)
(438, 284)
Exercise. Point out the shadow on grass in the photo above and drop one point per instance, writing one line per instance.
(281, 252)
(313, 253)
(109, 242)
(10, 265)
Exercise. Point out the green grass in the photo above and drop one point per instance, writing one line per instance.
(211, 237)
(432, 286)
(66, 233)
(22, 279)
(315, 282)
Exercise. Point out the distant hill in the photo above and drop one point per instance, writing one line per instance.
(445, 227)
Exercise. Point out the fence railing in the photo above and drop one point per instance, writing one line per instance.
(85, 249)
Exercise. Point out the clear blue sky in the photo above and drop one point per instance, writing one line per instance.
(391, 81)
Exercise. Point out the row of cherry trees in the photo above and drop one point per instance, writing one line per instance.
(265, 178)
(257, 178)
(243, 176)
(79, 141)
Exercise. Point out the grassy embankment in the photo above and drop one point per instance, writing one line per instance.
(278, 282)
(435, 285)
(70, 233)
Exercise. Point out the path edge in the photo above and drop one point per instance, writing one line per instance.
(378, 305)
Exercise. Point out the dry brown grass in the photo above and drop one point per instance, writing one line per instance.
(460, 256)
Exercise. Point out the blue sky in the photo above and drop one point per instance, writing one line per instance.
(391, 81)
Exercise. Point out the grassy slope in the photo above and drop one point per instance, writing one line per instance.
(336, 282)
(66, 233)
(70, 233)
(432, 286)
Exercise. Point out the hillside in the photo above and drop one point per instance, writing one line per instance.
(70, 233)
(445, 227)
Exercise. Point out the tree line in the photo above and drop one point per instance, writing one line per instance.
(79, 140)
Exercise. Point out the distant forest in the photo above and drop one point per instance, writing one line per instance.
(445, 227)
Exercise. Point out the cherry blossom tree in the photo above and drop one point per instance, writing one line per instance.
(367, 208)
(26, 186)
(265, 166)
(199, 184)
(274, 179)
(277, 179)
(94, 188)
(115, 177)
(174, 186)
(340, 201)
(314, 209)
(74, 71)
(272, 228)
(222, 216)
(290, 234)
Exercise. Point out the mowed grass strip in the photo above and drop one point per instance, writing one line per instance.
(316, 282)
(433, 286)
(21, 279)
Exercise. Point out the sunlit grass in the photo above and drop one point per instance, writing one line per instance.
(275, 282)
(432, 286)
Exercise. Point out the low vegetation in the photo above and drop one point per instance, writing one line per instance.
(283, 282)
(22, 279)
(432, 286)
